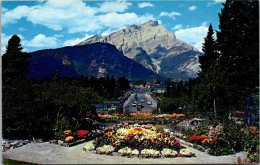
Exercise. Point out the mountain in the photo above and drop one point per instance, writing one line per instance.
(97, 59)
(157, 49)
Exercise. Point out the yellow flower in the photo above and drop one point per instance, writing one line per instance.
(67, 132)
(69, 139)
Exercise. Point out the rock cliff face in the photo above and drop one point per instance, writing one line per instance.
(98, 59)
(153, 46)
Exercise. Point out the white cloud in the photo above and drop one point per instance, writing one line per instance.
(215, 2)
(145, 4)
(75, 15)
(12, 16)
(21, 29)
(115, 20)
(204, 23)
(193, 36)
(192, 8)
(118, 6)
(4, 9)
(171, 15)
(58, 35)
(42, 41)
(177, 27)
(73, 42)
(109, 31)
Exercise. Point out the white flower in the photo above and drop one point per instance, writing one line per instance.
(135, 152)
(89, 147)
(166, 130)
(106, 149)
(125, 151)
(150, 152)
(168, 152)
(186, 152)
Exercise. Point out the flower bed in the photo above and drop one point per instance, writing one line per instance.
(223, 139)
(73, 138)
(141, 116)
(138, 140)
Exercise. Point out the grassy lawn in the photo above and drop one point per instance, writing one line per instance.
(11, 162)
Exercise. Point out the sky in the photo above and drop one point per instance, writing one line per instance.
(57, 23)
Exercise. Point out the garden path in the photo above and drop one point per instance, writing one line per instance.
(49, 153)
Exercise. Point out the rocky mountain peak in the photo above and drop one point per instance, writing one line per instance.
(150, 23)
(148, 44)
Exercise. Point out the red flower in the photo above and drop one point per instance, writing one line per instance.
(239, 160)
(138, 129)
(81, 133)
(195, 138)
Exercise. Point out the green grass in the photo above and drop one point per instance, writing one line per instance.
(15, 162)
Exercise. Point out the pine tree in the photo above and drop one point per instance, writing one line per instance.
(208, 74)
(238, 44)
(209, 58)
(15, 62)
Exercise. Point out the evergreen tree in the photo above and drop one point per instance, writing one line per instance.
(16, 91)
(238, 44)
(14, 61)
(205, 94)
(209, 58)
(123, 83)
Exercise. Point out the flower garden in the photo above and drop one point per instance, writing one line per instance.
(138, 140)
(149, 135)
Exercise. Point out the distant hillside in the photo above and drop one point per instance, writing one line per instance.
(99, 59)
(157, 49)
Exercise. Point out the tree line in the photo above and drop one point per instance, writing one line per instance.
(45, 108)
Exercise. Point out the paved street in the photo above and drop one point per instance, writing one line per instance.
(140, 96)
(46, 153)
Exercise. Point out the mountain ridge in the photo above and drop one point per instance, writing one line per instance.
(149, 44)
(97, 59)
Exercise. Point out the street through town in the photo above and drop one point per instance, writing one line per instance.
(140, 97)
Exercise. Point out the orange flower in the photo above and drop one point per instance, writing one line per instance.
(204, 137)
(205, 141)
(174, 115)
(137, 131)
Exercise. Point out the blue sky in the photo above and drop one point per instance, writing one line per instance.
(58, 23)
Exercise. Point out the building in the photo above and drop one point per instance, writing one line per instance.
(108, 105)
(158, 89)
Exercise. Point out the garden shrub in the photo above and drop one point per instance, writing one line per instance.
(127, 113)
(158, 128)
(110, 112)
(119, 110)
(220, 148)
(154, 111)
(60, 127)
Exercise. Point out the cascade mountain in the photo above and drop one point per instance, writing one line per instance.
(154, 47)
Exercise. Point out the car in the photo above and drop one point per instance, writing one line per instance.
(149, 102)
(142, 100)
(134, 105)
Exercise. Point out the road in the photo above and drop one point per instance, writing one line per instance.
(140, 96)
